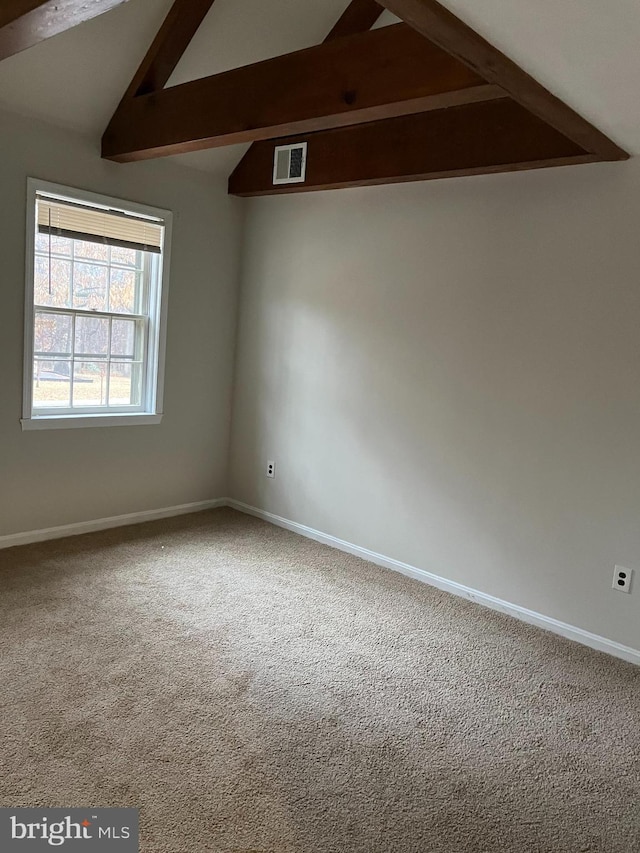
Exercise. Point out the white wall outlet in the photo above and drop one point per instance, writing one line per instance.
(271, 470)
(622, 579)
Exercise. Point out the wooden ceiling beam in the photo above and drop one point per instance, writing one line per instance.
(444, 29)
(359, 16)
(395, 149)
(377, 74)
(24, 23)
(498, 136)
(11, 11)
(168, 47)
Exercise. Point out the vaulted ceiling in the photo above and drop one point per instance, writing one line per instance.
(582, 51)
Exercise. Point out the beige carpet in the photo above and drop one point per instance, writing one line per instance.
(250, 690)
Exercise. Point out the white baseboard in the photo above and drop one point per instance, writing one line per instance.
(579, 635)
(105, 523)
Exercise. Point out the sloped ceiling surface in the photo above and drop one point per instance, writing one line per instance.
(583, 50)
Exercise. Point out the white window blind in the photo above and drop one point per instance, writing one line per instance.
(109, 227)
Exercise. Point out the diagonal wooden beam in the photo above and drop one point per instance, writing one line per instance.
(166, 51)
(359, 16)
(24, 23)
(377, 74)
(444, 29)
(178, 28)
(11, 11)
(499, 136)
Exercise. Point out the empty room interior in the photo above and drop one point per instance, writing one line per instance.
(320, 426)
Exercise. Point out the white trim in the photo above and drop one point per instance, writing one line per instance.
(61, 192)
(76, 422)
(162, 309)
(290, 148)
(578, 635)
(29, 266)
(555, 626)
(80, 527)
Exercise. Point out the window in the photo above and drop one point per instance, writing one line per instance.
(95, 309)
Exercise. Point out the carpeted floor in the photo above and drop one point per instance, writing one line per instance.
(250, 690)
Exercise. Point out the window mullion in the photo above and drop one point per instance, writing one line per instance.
(85, 312)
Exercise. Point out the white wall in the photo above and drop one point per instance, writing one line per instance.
(57, 477)
(449, 374)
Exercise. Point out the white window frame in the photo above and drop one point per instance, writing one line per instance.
(151, 409)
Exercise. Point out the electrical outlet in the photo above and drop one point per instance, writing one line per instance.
(271, 470)
(622, 579)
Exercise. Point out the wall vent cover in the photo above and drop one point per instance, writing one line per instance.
(290, 163)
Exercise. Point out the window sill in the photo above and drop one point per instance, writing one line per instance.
(82, 421)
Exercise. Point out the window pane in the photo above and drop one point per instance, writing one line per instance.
(51, 384)
(125, 384)
(123, 291)
(126, 257)
(52, 333)
(123, 338)
(89, 383)
(92, 336)
(90, 287)
(58, 245)
(54, 289)
(92, 251)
